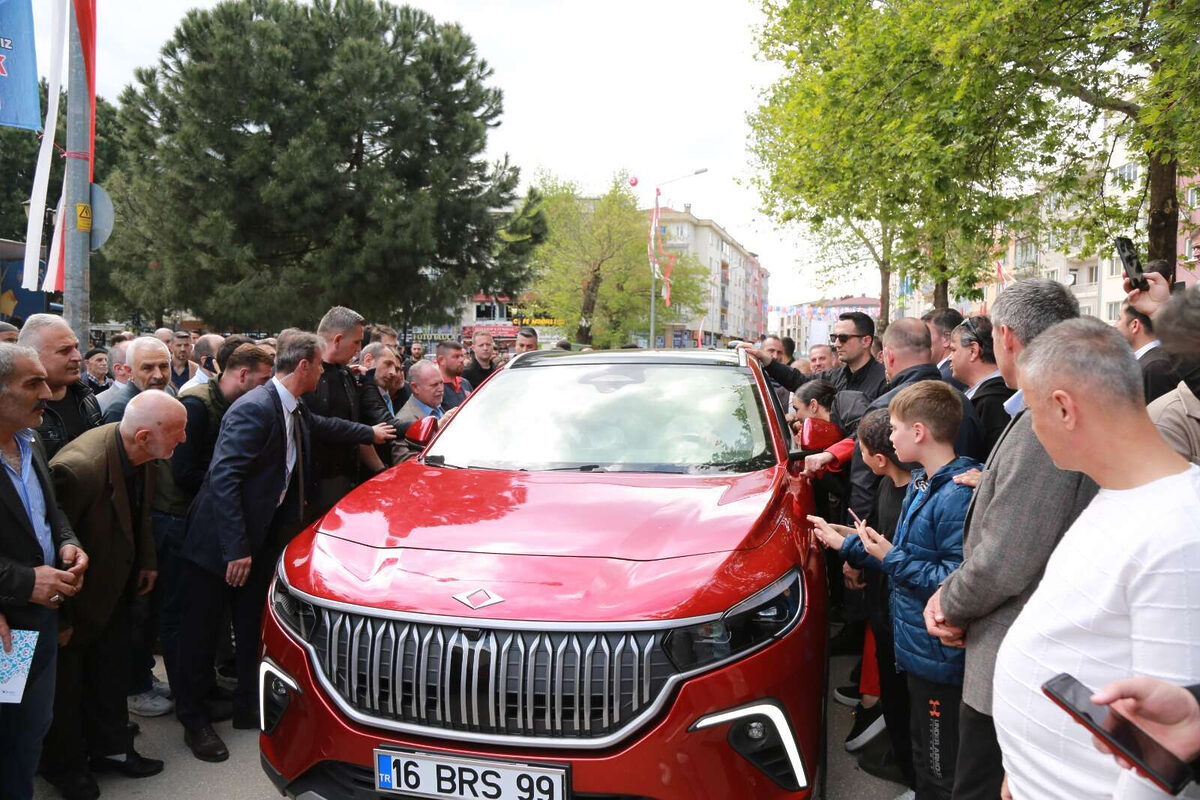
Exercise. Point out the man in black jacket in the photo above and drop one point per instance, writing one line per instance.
(253, 500)
(1158, 373)
(852, 336)
(35, 540)
(941, 322)
(973, 358)
(483, 358)
(72, 409)
(337, 395)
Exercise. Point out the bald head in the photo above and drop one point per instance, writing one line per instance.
(906, 343)
(164, 335)
(153, 425)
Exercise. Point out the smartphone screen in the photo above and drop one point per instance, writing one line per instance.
(1131, 262)
(1153, 760)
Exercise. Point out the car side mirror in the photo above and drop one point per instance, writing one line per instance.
(815, 435)
(421, 432)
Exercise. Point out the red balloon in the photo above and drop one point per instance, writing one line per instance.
(633, 181)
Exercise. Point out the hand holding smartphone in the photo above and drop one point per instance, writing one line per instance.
(1150, 758)
(1131, 262)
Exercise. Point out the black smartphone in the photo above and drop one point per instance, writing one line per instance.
(1131, 262)
(1151, 759)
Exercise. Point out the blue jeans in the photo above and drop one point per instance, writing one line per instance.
(23, 725)
(157, 614)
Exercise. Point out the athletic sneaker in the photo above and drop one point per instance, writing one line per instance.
(868, 723)
(847, 695)
(162, 689)
(149, 704)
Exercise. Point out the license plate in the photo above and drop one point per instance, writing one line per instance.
(424, 775)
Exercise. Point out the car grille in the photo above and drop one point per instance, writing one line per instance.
(511, 683)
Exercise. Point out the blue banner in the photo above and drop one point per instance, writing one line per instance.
(20, 105)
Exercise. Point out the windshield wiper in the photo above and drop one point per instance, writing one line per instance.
(573, 468)
(439, 461)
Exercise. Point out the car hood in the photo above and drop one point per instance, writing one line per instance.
(636, 517)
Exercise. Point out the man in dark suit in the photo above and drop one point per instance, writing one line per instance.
(425, 382)
(35, 539)
(941, 321)
(1158, 374)
(105, 482)
(973, 360)
(253, 500)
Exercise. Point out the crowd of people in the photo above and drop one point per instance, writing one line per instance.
(1012, 500)
(1003, 507)
(138, 515)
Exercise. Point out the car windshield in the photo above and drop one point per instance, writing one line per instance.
(611, 417)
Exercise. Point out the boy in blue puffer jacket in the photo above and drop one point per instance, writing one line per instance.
(926, 547)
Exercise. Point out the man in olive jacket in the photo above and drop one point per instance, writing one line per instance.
(105, 481)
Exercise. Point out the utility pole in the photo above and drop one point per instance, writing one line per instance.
(77, 194)
(653, 301)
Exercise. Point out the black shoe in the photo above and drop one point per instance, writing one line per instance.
(135, 765)
(856, 673)
(75, 785)
(868, 723)
(205, 744)
(849, 640)
(246, 720)
(848, 695)
(883, 765)
(219, 710)
(133, 729)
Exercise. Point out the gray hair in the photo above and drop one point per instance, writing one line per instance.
(377, 349)
(1086, 356)
(1029, 307)
(294, 346)
(145, 343)
(419, 368)
(118, 353)
(1178, 325)
(31, 331)
(9, 355)
(8, 327)
(339, 319)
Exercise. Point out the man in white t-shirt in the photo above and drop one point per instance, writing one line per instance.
(1121, 593)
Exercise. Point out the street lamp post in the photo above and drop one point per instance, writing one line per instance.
(700, 171)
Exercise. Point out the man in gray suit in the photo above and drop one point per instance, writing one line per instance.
(426, 383)
(1020, 510)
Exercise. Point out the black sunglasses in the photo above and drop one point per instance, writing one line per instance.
(842, 338)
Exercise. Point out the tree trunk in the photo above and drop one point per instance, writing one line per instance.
(941, 293)
(939, 272)
(1162, 227)
(587, 308)
(885, 280)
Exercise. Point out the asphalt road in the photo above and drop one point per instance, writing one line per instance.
(241, 777)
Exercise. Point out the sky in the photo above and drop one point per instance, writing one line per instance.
(656, 88)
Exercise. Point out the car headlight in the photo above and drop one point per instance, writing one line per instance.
(297, 615)
(763, 616)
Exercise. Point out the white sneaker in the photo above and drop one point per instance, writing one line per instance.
(149, 704)
(908, 794)
(162, 689)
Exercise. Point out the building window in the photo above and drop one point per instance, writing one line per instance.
(1026, 253)
(1189, 250)
(1112, 311)
(1126, 173)
(1193, 196)
(1085, 311)
(1051, 274)
(1093, 274)
(1114, 266)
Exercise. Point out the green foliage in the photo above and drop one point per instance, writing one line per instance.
(592, 270)
(285, 157)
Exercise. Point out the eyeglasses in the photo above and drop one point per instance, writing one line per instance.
(842, 338)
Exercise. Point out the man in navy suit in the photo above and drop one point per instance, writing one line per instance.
(252, 501)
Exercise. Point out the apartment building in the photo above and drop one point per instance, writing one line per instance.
(738, 283)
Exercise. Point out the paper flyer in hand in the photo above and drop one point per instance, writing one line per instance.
(14, 666)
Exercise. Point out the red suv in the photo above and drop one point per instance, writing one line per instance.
(595, 581)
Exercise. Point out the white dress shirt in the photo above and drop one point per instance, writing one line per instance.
(1146, 348)
(289, 405)
(970, 393)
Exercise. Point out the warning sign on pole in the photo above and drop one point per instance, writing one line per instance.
(83, 217)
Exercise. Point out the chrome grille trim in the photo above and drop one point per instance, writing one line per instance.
(331, 624)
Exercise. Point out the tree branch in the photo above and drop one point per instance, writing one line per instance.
(1044, 74)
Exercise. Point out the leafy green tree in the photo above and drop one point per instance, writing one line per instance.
(288, 156)
(592, 270)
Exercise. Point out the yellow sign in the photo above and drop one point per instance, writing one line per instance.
(83, 217)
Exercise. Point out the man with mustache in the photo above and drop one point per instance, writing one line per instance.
(41, 564)
(150, 365)
(72, 409)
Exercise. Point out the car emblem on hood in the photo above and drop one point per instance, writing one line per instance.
(478, 598)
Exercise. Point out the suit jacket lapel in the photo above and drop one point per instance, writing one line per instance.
(13, 501)
(987, 466)
(116, 477)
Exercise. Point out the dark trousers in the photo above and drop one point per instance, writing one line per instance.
(893, 697)
(205, 596)
(980, 770)
(23, 725)
(934, 730)
(156, 615)
(90, 715)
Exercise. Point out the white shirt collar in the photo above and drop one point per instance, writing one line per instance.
(285, 397)
(971, 392)
(1146, 348)
(942, 363)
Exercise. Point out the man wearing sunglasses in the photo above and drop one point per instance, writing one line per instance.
(852, 336)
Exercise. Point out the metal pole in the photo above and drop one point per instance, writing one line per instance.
(77, 192)
(651, 344)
